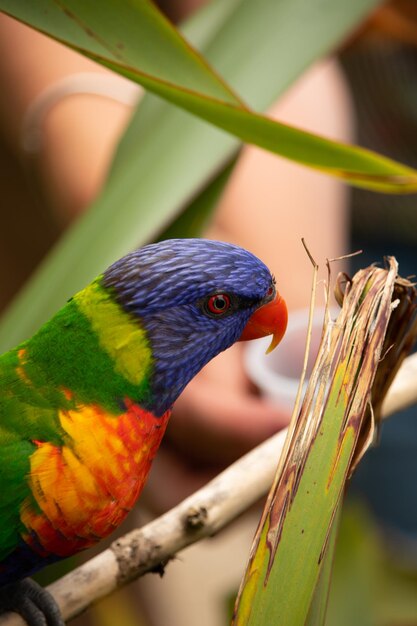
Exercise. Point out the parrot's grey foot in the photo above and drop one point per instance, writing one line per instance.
(32, 602)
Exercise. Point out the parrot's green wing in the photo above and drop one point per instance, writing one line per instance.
(26, 417)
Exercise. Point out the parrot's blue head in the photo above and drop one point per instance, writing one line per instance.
(194, 298)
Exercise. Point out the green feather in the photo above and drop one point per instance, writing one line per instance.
(14, 466)
(90, 348)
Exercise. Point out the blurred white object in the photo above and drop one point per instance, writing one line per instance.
(277, 374)
(88, 83)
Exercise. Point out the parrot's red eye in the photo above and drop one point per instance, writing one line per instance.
(218, 304)
(271, 291)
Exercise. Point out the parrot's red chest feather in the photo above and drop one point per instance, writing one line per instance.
(83, 490)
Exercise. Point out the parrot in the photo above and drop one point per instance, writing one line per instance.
(85, 402)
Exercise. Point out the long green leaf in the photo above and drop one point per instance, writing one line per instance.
(134, 207)
(134, 36)
(195, 218)
(167, 156)
(135, 40)
(373, 584)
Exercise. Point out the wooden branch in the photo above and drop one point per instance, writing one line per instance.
(201, 515)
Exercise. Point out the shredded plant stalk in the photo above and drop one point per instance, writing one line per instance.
(358, 357)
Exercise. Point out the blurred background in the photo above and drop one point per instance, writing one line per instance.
(364, 93)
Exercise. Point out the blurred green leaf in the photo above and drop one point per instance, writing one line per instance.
(138, 42)
(374, 583)
(133, 37)
(134, 206)
(354, 572)
(167, 157)
(195, 218)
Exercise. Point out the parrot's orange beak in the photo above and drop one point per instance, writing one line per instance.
(269, 319)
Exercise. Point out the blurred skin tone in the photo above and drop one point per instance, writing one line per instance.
(220, 414)
(79, 134)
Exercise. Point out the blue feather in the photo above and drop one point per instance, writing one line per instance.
(164, 285)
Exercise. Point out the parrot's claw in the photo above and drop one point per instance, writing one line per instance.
(32, 602)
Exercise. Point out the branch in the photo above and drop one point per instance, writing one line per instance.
(201, 515)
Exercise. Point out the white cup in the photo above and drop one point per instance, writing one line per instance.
(277, 374)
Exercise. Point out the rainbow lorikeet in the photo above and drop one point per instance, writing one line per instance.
(85, 402)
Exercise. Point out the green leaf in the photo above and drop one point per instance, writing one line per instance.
(134, 206)
(195, 218)
(133, 36)
(167, 157)
(356, 571)
(139, 43)
(374, 579)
